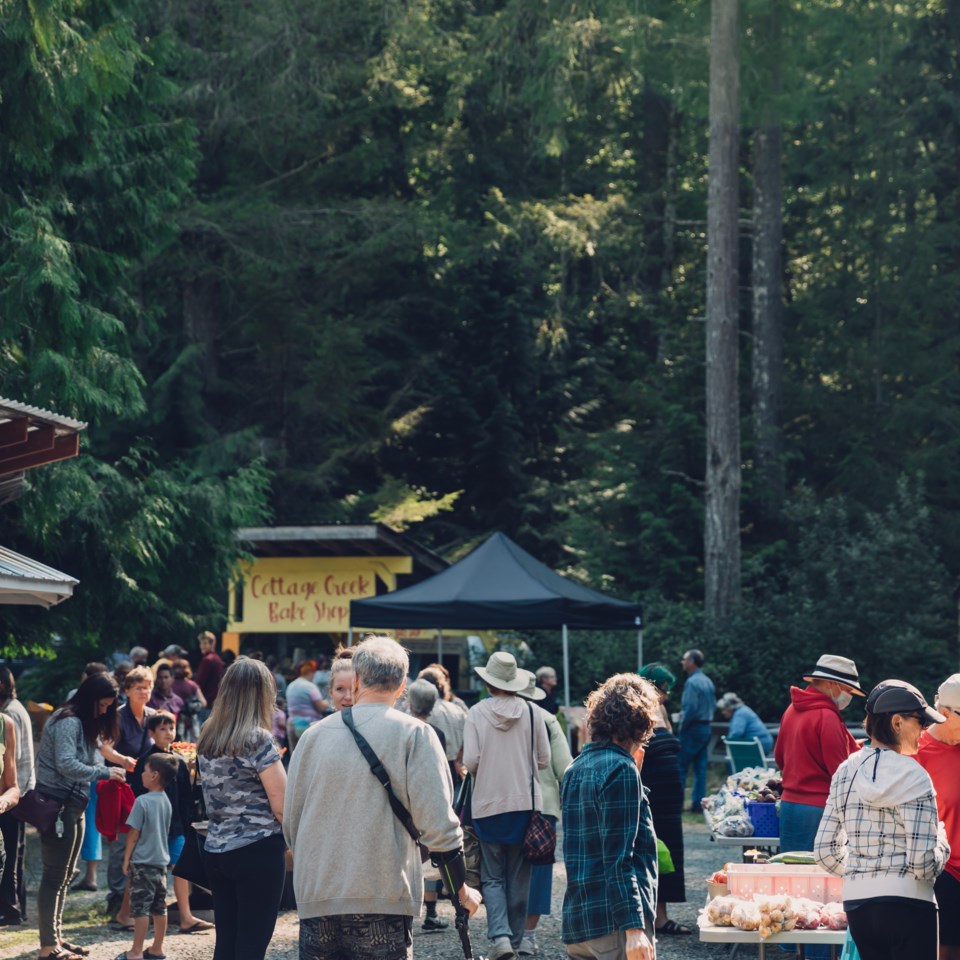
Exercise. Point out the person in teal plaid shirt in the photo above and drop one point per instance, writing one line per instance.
(609, 846)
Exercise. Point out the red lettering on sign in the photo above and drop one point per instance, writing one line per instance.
(285, 612)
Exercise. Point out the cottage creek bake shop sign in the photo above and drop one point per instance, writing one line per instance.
(308, 594)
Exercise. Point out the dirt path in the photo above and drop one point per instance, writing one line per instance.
(85, 925)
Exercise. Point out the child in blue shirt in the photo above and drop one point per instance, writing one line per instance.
(146, 856)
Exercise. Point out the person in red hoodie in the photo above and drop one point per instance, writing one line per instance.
(812, 743)
(939, 755)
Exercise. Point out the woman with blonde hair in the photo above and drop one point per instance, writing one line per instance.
(243, 787)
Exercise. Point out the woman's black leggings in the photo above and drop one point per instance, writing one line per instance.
(895, 930)
(247, 885)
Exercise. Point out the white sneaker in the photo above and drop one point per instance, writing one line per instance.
(502, 949)
(527, 948)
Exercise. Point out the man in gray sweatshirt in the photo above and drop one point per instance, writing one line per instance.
(359, 883)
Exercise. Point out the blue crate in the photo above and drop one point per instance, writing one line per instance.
(763, 816)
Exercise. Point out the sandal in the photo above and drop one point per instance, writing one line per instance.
(75, 948)
(59, 953)
(147, 955)
(672, 928)
(197, 926)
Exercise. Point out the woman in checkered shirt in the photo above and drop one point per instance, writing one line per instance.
(881, 832)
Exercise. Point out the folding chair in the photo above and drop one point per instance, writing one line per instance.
(745, 753)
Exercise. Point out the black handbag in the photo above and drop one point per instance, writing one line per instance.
(540, 840)
(37, 810)
(190, 865)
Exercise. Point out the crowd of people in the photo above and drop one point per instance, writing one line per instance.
(425, 775)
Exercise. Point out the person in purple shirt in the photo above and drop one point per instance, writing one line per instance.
(163, 697)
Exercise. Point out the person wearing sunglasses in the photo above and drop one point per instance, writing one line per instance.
(881, 830)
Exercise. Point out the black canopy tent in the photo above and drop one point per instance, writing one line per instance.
(501, 586)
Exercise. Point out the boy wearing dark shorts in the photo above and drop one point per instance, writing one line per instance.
(146, 856)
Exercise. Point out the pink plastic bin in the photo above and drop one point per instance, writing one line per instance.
(793, 880)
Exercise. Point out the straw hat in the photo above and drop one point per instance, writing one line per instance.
(502, 673)
(532, 691)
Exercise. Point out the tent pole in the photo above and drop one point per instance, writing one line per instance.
(639, 650)
(350, 636)
(439, 645)
(566, 685)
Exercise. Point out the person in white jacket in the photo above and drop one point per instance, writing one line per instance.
(881, 832)
(505, 744)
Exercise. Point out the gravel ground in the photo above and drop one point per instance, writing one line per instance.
(86, 926)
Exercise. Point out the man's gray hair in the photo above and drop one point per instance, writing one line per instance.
(545, 672)
(380, 663)
(422, 696)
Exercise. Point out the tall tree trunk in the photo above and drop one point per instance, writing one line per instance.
(722, 515)
(767, 278)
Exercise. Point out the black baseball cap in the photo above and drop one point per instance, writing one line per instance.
(897, 696)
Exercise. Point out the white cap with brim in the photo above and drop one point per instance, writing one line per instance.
(948, 693)
(502, 673)
(839, 669)
(532, 691)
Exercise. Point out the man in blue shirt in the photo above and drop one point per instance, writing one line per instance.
(744, 723)
(609, 846)
(697, 705)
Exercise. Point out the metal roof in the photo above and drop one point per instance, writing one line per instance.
(31, 437)
(339, 540)
(14, 410)
(25, 581)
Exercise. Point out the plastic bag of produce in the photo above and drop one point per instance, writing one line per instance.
(807, 913)
(719, 910)
(746, 915)
(738, 826)
(776, 915)
(833, 916)
(750, 780)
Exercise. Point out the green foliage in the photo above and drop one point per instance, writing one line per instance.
(94, 163)
(867, 585)
(442, 263)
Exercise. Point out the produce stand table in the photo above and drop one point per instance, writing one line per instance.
(761, 843)
(769, 845)
(804, 938)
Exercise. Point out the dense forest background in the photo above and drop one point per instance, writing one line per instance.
(442, 263)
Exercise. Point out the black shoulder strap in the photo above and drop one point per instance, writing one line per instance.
(533, 758)
(379, 771)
